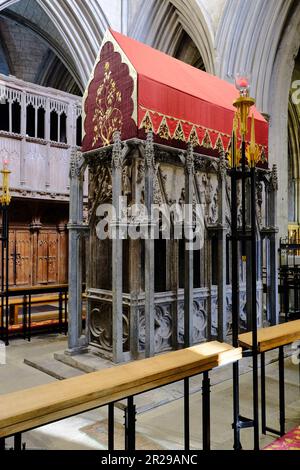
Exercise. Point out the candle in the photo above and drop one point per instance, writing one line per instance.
(243, 83)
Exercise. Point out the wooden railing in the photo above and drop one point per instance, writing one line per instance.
(28, 409)
(268, 339)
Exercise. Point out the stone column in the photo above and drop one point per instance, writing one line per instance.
(117, 252)
(77, 342)
(222, 305)
(135, 263)
(188, 254)
(149, 250)
(62, 241)
(272, 281)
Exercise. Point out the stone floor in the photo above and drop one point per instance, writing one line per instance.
(161, 427)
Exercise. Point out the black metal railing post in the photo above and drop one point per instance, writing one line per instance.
(263, 393)
(206, 411)
(281, 391)
(254, 307)
(2, 443)
(18, 442)
(130, 414)
(111, 427)
(24, 316)
(186, 398)
(235, 306)
(29, 318)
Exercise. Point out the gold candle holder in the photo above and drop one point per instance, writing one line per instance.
(5, 196)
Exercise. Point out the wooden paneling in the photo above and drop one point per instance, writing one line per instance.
(42, 253)
(37, 257)
(52, 260)
(23, 258)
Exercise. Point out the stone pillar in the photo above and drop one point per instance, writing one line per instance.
(188, 254)
(62, 241)
(77, 342)
(149, 250)
(117, 252)
(222, 305)
(272, 281)
(135, 262)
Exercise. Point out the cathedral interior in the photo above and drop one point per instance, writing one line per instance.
(150, 225)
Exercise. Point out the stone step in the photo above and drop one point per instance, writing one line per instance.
(55, 369)
(88, 362)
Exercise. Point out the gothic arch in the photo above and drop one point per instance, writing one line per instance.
(293, 161)
(162, 23)
(81, 27)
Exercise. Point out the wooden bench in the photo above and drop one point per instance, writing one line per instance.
(31, 408)
(268, 339)
(37, 294)
(16, 303)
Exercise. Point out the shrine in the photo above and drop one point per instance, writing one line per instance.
(149, 230)
(158, 132)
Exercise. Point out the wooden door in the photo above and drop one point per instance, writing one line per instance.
(37, 257)
(42, 258)
(52, 257)
(23, 259)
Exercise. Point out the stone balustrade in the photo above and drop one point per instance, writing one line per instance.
(38, 128)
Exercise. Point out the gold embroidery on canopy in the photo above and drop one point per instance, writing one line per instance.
(163, 130)
(219, 144)
(179, 134)
(193, 138)
(206, 142)
(107, 117)
(147, 123)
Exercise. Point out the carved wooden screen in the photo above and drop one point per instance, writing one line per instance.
(19, 258)
(52, 257)
(42, 258)
(47, 271)
(37, 258)
(22, 259)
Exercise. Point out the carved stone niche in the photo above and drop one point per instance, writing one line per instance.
(169, 190)
(101, 327)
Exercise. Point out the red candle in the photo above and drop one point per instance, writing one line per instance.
(243, 83)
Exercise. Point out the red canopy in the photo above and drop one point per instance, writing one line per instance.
(155, 91)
